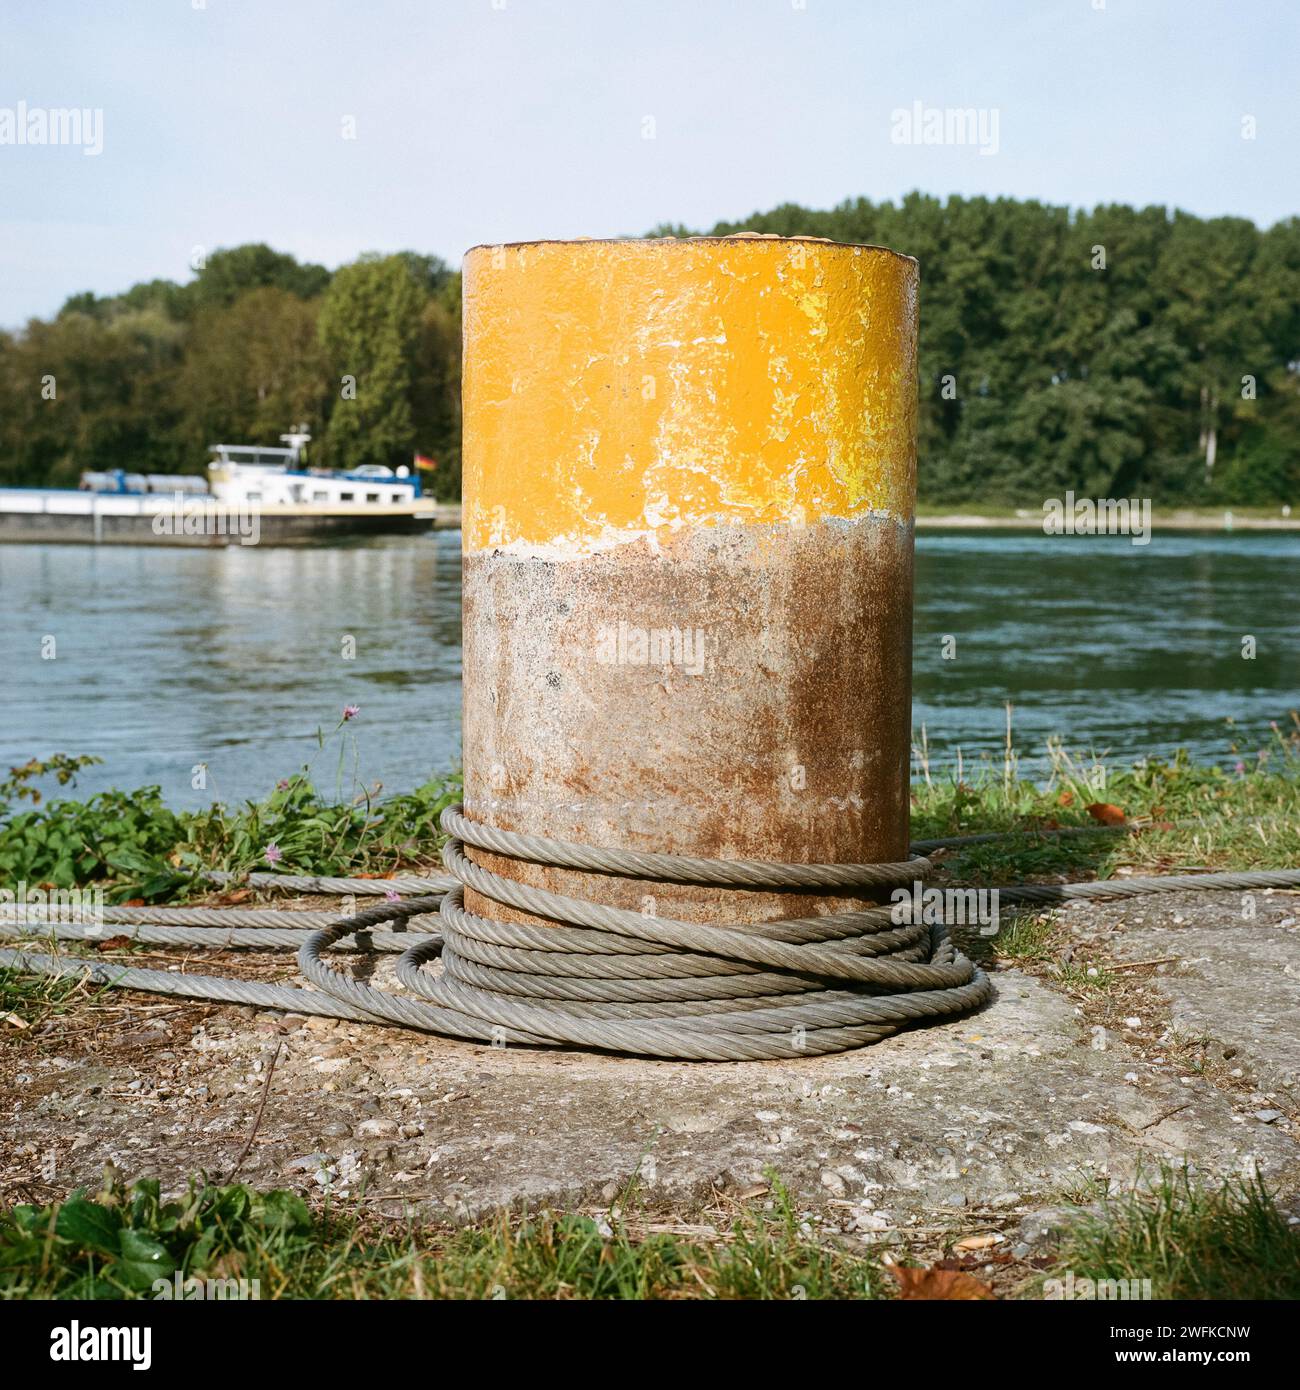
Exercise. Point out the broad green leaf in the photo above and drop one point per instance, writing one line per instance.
(89, 1225)
(143, 1259)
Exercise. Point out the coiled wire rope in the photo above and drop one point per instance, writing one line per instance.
(603, 977)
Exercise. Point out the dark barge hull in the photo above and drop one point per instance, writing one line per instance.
(36, 528)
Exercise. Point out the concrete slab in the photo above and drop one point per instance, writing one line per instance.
(1234, 980)
(1007, 1111)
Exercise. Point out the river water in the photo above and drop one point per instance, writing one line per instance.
(160, 660)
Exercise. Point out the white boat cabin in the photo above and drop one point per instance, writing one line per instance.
(247, 474)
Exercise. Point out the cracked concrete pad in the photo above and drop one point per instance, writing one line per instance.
(1235, 980)
(1005, 1109)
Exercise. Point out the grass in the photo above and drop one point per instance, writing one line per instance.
(116, 1244)
(1190, 1241)
(26, 1000)
(1174, 814)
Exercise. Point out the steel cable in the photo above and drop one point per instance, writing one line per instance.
(608, 978)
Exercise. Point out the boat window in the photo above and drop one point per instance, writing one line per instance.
(345, 497)
(372, 497)
(320, 497)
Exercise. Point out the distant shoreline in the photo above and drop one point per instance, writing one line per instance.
(1180, 519)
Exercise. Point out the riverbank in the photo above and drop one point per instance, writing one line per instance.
(1134, 1060)
(1179, 813)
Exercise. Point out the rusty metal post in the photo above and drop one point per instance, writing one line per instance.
(689, 471)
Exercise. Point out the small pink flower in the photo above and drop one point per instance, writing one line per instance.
(1240, 769)
(273, 853)
(391, 895)
(282, 784)
(350, 712)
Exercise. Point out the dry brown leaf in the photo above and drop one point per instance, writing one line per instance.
(946, 1284)
(1106, 813)
(13, 1021)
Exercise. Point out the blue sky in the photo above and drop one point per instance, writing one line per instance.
(490, 120)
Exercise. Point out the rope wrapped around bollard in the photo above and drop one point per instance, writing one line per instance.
(618, 980)
(602, 977)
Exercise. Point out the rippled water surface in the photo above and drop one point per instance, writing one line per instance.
(1131, 649)
(169, 658)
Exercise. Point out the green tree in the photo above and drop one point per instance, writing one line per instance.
(435, 388)
(252, 369)
(1115, 351)
(370, 328)
(227, 274)
(81, 393)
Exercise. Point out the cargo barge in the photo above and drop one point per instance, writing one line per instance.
(252, 495)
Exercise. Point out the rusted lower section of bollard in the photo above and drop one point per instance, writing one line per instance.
(689, 471)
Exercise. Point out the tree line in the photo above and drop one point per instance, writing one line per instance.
(1116, 352)
(368, 357)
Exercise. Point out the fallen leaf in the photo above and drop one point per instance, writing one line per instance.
(13, 1020)
(979, 1242)
(113, 943)
(1106, 813)
(1065, 799)
(134, 902)
(758, 1190)
(946, 1284)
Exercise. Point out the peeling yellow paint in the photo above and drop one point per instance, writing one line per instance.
(622, 390)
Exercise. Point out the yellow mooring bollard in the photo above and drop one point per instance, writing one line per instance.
(689, 475)
(689, 479)
(689, 489)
